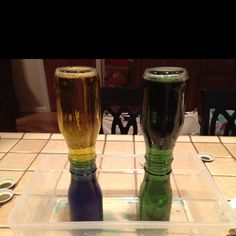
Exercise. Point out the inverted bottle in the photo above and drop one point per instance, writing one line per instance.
(85, 198)
(163, 106)
(79, 120)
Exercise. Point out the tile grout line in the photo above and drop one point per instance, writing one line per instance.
(14, 144)
(213, 142)
(4, 154)
(232, 156)
(177, 187)
(104, 146)
(224, 175)
(24, 172)
(191, 141)
(37, 153)
(103, 152)
(50, 136)
(8, 153)
(198, 153)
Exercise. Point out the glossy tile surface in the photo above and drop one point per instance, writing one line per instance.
(216, 149)
(231, 148)
(55, 146)
(29, 146)
(6, 232)
(7, 144)
(183, 139)
(113, 163)
(99, 147)
(222, 166)
(227, 185)
(2, 155)
(228, 139)
(24, 181)
(138, 138)
(120, 173)
(58, 160)
(205, 139)
(37, 136)
(16, 161)
(16, 175)
(11, 135)
(119, 147)
(184, 148)
(139, 148)
(57, 136)
(119, 137)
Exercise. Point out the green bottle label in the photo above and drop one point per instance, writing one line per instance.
(158, 161)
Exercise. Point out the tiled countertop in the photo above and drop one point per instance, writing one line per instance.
(20, 154)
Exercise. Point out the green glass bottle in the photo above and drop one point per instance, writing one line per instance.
(163, 106)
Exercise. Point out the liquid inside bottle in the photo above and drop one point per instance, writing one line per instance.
(79, 120)
(85, 198)
(155, 198)
(162, 118)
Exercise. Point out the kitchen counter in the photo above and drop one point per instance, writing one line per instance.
(20, 154)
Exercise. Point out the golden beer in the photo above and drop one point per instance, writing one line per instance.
(79, 119)
(79, 114)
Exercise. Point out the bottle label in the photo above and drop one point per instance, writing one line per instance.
(158, 161)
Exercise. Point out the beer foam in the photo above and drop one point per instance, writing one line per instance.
(74, 72)
(166, 74)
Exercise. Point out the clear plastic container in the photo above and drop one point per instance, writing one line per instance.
(198, 207)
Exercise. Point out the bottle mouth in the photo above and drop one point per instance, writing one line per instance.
(75, 72)
(166, 74)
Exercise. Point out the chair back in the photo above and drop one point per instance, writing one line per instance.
(218, 110)
(123, 104)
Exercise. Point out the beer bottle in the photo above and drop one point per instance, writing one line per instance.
(85, 197)
(162, 117)
(79, 119)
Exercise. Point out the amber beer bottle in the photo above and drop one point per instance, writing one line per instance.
(79, 119)
(163, 107)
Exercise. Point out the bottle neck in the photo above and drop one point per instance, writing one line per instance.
(83, 177)
(157, 178)
(82, 166)
(158, 161)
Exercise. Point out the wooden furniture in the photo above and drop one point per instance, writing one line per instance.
(203, 73)
(224, 103)
(122, 104)
(8, 108)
